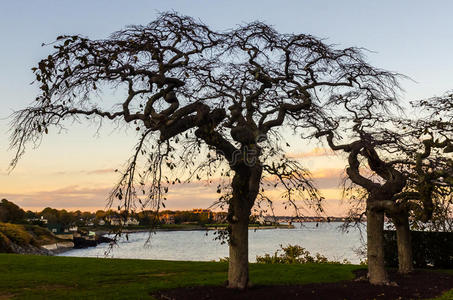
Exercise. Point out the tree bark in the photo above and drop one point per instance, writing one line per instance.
(375, 247)
(403, 234)
(245, 189)
(238, 269)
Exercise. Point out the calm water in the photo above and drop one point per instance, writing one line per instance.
(326, 239)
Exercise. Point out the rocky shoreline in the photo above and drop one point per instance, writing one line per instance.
(57, 247)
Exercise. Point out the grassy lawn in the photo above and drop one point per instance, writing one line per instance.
(42, 277)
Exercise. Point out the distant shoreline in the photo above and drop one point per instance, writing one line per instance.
(183, 227)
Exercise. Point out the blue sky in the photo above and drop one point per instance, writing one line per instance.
(414, 38)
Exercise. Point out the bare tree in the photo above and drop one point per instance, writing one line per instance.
(194, 95)
(384, 159)
(436, 126)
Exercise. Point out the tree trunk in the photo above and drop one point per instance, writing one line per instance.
(245, 188)
(375, 247)
(238, 269)
(403, 234)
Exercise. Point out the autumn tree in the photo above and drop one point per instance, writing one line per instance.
(202, 102)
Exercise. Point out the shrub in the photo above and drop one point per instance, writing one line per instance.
(5, 243)
(295, 254)
(429, 249)
(16, 234)
(40, 235)
(224, 259)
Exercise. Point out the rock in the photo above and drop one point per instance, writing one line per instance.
(59, 247)
(29, 249)
(81, 242)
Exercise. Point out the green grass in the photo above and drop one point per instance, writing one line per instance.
(41, 277)
(44, 277)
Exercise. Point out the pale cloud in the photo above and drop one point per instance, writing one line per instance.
(323, 178)
(327, 177)
(87, 172)
(192, 195)
(315, 152)
(70, 196)
(101, 171)
(196, 194)
(180, 196)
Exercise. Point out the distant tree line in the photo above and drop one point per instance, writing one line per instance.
(12, 213)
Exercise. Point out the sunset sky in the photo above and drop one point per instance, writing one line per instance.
(74, 169)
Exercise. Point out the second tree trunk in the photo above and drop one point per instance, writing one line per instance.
(403, 234)
(375, 247)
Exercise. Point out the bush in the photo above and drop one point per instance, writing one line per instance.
(5, 244)
(40, 235)
(429, 249)
(16, 234)
(295, 254)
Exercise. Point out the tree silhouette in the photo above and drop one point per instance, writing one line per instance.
(202, 101)
(393, 160)
(435, 124)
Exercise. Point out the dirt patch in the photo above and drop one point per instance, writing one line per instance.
(418, 285)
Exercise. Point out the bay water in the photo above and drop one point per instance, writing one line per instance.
(324, 238)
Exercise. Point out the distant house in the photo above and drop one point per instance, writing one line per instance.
(131, 221)
(260, 220)
(40, 221)
(201, 211)
(56, 228)
(167, 219)
(219, 217)
(101, 222)
(116, 221)
(73, 228)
